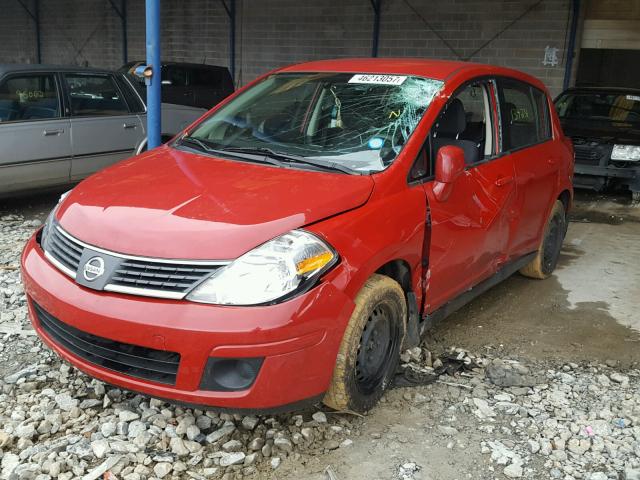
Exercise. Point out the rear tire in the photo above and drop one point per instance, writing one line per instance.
(548, 253)
(370, 348)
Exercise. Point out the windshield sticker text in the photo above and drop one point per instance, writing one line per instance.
(378, 79)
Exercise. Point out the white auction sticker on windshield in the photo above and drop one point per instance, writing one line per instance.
(378, 79)
(635, 98)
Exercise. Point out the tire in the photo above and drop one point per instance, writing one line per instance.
(548, 253)
(370, 348)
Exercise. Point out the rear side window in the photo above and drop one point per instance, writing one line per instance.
(29, 97)
(544, 120)
(205, 77)
(95, 95)
(133, 100)
(524, 114)
(175, 76)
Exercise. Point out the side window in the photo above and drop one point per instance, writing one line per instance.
(466, 122)
(175, 76)
(29, 97)
(94, 95)
(420, 168)
(524, 117)
(204, 77)
(133, 100)
(542, 108)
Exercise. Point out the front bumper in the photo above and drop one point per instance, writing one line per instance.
(608, 172)
(298, 339)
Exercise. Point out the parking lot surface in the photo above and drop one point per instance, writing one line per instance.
(556, 393)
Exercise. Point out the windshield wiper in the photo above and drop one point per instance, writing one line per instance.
(251, 156)
(193, 140)
(292, 158)
(265, 155)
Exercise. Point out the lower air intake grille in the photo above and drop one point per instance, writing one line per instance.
(155, 365)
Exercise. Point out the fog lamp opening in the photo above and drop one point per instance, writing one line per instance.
(230, 374)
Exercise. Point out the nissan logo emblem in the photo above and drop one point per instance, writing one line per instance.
(93, 268)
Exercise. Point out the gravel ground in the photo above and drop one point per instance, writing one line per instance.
(507, 418)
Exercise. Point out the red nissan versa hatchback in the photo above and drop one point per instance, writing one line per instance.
(285, 247)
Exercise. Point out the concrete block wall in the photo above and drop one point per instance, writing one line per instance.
(272, 33)
(469, 27)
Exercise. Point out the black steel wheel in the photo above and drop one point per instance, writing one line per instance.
(370, 348)
(378, 343)
(546, 259)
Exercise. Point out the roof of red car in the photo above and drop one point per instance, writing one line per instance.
(430, 68)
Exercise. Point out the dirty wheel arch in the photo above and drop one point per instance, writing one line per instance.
(547, 255)
(370, 348)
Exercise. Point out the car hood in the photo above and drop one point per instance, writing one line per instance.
(602, 132)
(173, 204)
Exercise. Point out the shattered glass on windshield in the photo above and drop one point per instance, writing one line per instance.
(359, 121)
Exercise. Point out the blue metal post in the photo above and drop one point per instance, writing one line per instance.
(154, 96)
(572, 44)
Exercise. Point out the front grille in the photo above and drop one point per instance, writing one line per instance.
(170, 277)
(155, 365)
(587, 155)
(63, 249)
(161, 278)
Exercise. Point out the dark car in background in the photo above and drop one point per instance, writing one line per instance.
(191, 84)
(604, 125)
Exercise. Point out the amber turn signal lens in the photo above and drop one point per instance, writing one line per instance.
(314, 263)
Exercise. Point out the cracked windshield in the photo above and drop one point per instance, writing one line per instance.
(355, 123)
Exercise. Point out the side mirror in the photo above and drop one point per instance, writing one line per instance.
(450, 164)
(166, 82)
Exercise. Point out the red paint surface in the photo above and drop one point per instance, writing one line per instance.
(175, 204)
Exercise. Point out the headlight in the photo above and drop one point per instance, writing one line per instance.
(629, 153)
(269, 272)
(48, 224)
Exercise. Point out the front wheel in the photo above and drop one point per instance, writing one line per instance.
(370, 349)
(548, 253)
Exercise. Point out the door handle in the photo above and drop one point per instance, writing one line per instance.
(502, 181)
(129, 125)
(50, 133)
